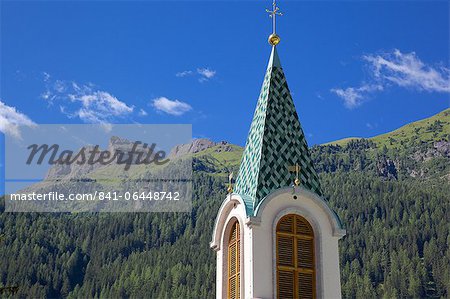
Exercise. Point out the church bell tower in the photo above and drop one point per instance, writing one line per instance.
(275, 235)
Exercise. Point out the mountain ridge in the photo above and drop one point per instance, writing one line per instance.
(381, 139)
(413, 149)
(443, 116)
(419, 149)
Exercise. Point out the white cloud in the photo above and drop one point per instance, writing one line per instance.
(172, 107)
(407, 70)
(371, 126)
(59, 86)
(203, 74)
(206, 73)
(46, 76)
(184, 73)
(11, 120)
(85, 101)
(399, 69)
(142, 112)
(355, 96)
(98, 107)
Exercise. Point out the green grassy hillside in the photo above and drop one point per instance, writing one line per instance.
(219, 162)
(342, 142)
(431, 129)
(428, 130)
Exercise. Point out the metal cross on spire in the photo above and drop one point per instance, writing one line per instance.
(273, 14)
(274, 39)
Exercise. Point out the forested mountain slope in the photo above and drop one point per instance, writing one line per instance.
(391, 194)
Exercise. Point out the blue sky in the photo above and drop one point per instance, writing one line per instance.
(354, 68)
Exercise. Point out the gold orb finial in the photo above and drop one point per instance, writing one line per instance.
(274, 39)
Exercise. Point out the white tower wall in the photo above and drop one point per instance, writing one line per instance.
(258, 235)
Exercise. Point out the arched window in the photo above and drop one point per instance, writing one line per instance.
(234, 246)
(295, 258)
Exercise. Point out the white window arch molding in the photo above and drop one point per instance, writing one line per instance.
(317, 247)
(224, 245)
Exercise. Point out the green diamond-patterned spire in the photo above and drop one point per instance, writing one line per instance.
(275, 142)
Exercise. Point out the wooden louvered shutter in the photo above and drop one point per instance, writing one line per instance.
(286, 224)
(286, 251)
(295, 258)
(234, 246)
(286, 284)
(305, 285)
(302, 227)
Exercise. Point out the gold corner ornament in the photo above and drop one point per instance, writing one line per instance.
(296, 169)
(230, 183)
(274, 39)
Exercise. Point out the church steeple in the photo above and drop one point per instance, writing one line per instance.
(275, 236)
(275, 141)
